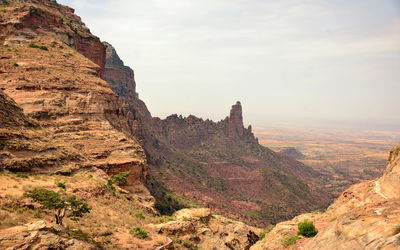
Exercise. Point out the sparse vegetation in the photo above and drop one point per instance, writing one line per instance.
(290, 240)
(16, 65)
(139, 214)
(266, 231)
(60, 203)
(37, 214)
(21, 175)
(61, 185)
(307, 229)
(110, 187)
(36, 46)
(78, 234)
(120, 178)
(165, 219)
(139, 233)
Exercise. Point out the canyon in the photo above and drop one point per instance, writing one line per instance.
(70, 113)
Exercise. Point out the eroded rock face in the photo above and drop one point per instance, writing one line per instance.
(234, 126)
(366, 216)
(214, 157)
(31, 18)
(40, 235)
(81, 122)
(199, 227)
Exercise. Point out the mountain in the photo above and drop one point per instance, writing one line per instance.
(221, 165)
(72, 124)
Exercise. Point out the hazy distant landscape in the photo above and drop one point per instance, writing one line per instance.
(344, 156)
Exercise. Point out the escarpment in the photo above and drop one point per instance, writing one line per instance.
(24, 20)
(51, 67)
(196, 162)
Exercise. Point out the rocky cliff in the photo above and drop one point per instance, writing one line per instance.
(366, 216)
(196, 161)
(50, 67)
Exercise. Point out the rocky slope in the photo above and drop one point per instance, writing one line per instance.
(366, 216)
(82, 123)
(196, 162)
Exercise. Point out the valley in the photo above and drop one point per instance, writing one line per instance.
(345, 157)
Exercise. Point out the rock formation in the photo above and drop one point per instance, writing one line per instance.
(365, 216)
(47, 18)
(80, 120)
(292, 152)
(214, 163)
(40, 235)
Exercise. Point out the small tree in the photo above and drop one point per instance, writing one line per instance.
(60, 202)
(307, 229)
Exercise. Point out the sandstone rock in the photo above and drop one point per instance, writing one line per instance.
(80, 120)
(51, 19)
(366, 216)
(39, 235)
(208, 231)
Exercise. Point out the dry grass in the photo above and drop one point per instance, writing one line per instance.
(110, 213)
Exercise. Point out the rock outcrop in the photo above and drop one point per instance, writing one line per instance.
(80, 121)
(214, 163)
(22, 22)
(40, 235)
(366, 216)
(292, 152)
(200, 228)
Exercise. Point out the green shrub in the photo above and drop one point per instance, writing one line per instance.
(307, 229)
(110, 187)
(21, 175)
(34, 45)
(139, 233)
(262, 235)
(15, 64)
(37, 214)
(120, 178)
(139, 214)
(290, 240)
(60, 203)
(61, 185)
(78, 234)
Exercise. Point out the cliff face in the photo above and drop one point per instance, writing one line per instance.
(366, 216)
(26, 20)
(214, 163)
(81, 122)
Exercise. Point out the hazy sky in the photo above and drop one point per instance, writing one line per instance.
(286, 60)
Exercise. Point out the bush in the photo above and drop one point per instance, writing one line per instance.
(78, 234)
(139, 233)
(34, 45)
(61, 203)
(307, 229)
(139, 214)
(21, 175)
(15, 64)
(110, 187)
(290, 240)
(61, 185)
(120, 178)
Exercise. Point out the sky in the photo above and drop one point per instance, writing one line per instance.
(327, 62)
